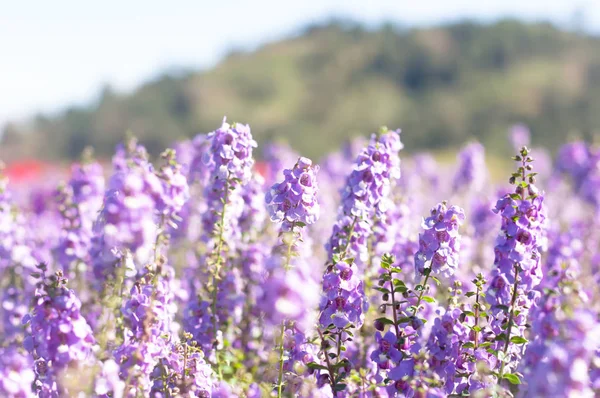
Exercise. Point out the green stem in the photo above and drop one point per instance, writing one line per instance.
(421, 293)
(286, 267)
(396, 327)
(327, 361)
(477, 316)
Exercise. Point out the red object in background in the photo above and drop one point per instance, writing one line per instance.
(261, 168)
(26, 170)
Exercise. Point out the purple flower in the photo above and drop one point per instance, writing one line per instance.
(183, 371)
(520, 136)
(16, 373)
(439, 243)
(294, 200)
(230, 160)
(472, 171)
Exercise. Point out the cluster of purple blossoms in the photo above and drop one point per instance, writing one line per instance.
(253, 216)
(80, 202)
(87, 183)
(198, 321)
(129, 206)
(229, 158)
(439, 243)
(183, 372)
(519, 136)
(294, 200)
(16, 373)
(60, 336)
(560, 359)
(365, 195)
(127, 221)
(581, 162)
(147, 320)
(448, 334)
(276, 156)
(290, 295)
(517, 260)
(175, 189)
(472, 172)
(13, 308)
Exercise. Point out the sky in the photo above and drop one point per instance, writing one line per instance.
(54, 54)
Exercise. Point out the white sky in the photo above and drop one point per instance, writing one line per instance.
(61, 52)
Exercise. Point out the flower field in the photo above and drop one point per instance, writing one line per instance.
(201, 274)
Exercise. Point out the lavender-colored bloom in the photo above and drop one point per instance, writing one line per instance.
(16, 374)
(183, 371)
(197, 321)
(128, 219)
(276, 156)
(13, 310)
(87, 183)
(439, 244)
(147, 320)
(519, 136)
(290, 295)
(560, 363)
(175, 190)
(472, 171)
(582, 163)
(253, 216)
(448, 334)
(107, 380)
(230, 160)
(294, 200)
(59, 333)
(60, 337)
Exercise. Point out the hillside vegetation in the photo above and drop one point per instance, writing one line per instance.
(441, 85)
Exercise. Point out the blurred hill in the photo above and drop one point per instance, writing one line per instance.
(441, 85)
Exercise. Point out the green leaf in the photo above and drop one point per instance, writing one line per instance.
(339, 387)
(382, 290)
(436, 280)
(518, 340)
(314, 365)
(400, 289)
(385, 321)
(468, 345)
(512, 378)
(470, 294)
(428, 299)
(501, 337)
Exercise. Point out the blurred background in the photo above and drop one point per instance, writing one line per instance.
(311, 73)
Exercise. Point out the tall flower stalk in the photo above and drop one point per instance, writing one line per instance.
(289, 291)
(229, 159)
(517, 265)
(344, 303)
